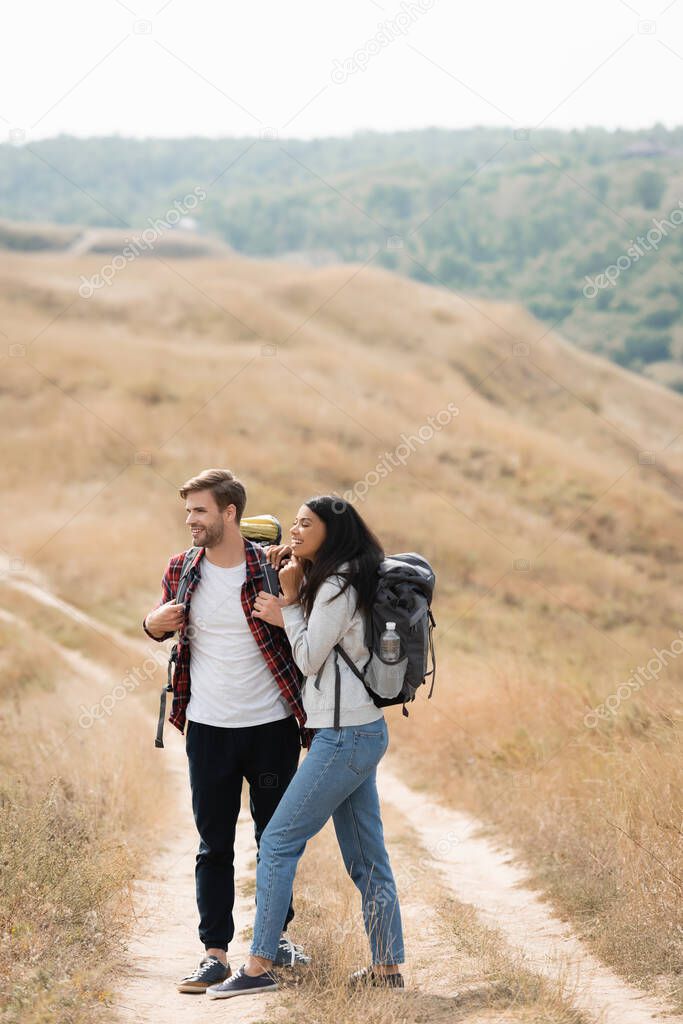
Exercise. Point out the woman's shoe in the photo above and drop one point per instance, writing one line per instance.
(242, 984)
(368, 977)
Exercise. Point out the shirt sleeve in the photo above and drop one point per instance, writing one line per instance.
(166, 595)
(313, 640)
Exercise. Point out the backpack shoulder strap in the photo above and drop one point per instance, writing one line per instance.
(339, 650)
(337, 681)
(356, 671)
(183, 583)
(432, 650)
(271, 580)
(184, 580)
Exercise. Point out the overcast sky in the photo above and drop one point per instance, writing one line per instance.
(317, 67)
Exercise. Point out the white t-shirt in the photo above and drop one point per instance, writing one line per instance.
(231, 684)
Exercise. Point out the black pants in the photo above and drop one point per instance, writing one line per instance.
(219, 759)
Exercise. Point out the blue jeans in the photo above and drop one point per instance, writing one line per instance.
(338, 778)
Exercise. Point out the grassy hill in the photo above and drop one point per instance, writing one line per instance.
(544, 483)
(534, 217)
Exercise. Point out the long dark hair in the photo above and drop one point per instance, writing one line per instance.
(348, 539)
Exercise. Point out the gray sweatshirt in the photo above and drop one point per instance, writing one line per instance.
(312, 646)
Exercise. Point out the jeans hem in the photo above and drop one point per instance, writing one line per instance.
(260, 952)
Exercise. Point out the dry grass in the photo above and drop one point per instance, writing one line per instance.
(24, 664)
(596, 811)
(74, 824)
(456, 970)
(122, 397)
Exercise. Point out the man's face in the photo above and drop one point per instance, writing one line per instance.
(205, 520)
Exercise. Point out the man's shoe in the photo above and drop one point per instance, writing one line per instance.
(209, 972)
(368, 977)
(242, 984)
(289, 955)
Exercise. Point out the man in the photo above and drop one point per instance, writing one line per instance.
(241, 702)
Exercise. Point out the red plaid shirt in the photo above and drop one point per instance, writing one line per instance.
(272, 640)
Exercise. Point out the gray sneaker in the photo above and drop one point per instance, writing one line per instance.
(243, 984)
(209, 972)
(289, 955)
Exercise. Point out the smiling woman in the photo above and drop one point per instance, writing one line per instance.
(307, 532)
(327, 591)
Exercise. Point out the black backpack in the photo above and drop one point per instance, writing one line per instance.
(405, 587)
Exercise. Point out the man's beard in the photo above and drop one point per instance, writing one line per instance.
(214, 534)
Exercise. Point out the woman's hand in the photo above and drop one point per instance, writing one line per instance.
(267, 607)
(277, 553)
(291, 576)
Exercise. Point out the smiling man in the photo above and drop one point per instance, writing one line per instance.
(237, 689)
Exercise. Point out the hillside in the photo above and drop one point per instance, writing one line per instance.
(536, 218)
(545, 486)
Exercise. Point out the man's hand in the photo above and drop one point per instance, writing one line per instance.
(277, 553)
(267, 607)
(167, 618)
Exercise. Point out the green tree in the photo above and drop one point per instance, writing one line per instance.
(649, 189)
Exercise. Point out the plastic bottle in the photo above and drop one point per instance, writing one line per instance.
(390, 644)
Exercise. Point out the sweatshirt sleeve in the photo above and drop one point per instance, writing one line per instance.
(313, 641)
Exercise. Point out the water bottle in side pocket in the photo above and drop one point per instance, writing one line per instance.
(390, 644)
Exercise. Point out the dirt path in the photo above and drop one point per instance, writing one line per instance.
(477, 871)
(164, 944)
(488, 877)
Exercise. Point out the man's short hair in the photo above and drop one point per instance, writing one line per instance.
(224, 485)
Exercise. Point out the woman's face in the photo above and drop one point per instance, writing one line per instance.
(307, 533)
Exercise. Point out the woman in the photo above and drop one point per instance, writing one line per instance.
(327, 591)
